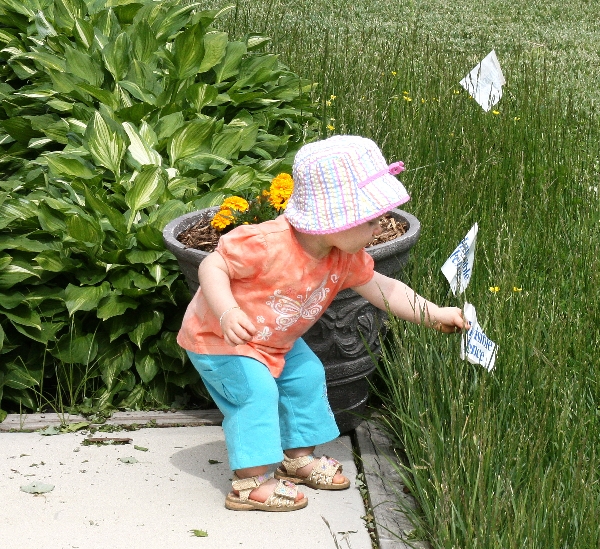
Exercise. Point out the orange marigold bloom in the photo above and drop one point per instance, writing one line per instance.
(221, 219)
(235, 203)
(281, 190)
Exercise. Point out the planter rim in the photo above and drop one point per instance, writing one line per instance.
(379, 251)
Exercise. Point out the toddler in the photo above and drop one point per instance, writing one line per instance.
(263, 287)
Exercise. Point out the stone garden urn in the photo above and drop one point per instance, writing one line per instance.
(347, 336)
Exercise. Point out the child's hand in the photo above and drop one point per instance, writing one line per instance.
(449, 320)
(237, 328)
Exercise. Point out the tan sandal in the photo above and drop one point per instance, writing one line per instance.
(283, 497)
(321, 476)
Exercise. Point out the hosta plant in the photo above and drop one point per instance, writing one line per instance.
(116, 117)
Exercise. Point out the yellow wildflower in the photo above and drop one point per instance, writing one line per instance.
(330, 127)
(496, 112)
(332, 97)
(515, 289)
(394, 73)
(281, 190)
(456, 92)
(494, 289)
(406, 98)
(517, 118)
(328, 103)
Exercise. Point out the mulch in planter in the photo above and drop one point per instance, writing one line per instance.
(204, 237)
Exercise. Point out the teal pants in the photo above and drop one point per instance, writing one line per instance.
(263, 415)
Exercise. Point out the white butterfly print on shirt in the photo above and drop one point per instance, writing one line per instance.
(291, 310)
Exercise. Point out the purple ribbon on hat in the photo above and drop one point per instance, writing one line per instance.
(394, 169)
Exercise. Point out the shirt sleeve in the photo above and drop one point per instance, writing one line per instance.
(361, 269)
(244, 250)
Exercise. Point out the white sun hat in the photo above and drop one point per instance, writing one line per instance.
(342, 182)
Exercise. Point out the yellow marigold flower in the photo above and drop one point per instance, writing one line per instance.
(494, 289)
(222, 219)
(235, 203)
(515, 289)
(281, 190)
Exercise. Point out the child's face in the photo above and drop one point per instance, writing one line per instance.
(355, 239)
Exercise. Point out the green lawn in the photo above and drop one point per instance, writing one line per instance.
(507, 459)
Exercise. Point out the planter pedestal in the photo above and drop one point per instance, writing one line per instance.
(339, 336)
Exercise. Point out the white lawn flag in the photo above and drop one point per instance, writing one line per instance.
(485, 82)
(476, 347)
(459, 266)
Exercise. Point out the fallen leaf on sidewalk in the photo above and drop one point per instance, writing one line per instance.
(199, 533)
(214, 461)
(49, 431)
(141, 448)
(37, 488)
(72, 427)
(100, 441)
(128, 460)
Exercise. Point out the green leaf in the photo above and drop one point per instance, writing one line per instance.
(81, 64)
(25, 316)
(105, 144)
(55, 262)
(239, 178)
(230, 64)
(84, 298)
(65, 164)
(50, 431)
(188, 51)
(116, 56)
(117, 358)
(76, 350)
(37, 488)
(150, 237)
(83, 32)
(128, 460)
(115, 305)
(191, 139)
(1, 345)
(145, 257)
(84, 230)
(148, 323)
(66, 12)
(100, 206)
(146, 366)
(199, 533)
(215, 46)
(141, 151)
(148, 187)
(144, 42)
(200, 95)
(46, 60)
(15, 273)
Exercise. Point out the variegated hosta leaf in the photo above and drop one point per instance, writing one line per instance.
(142, 152)
(106, 145)
(192, 139)
(147, 187)
(188, 52)
(84, 298)
(116, 56)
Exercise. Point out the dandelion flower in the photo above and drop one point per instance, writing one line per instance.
(408, 99)
(394, 73)
(494, 289)
(515, 289)
(330, 127)
(496, 112)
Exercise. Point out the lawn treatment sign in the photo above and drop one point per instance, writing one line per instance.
(459, 266)
(485, 82)
(476, 347)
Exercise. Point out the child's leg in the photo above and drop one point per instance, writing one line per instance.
(245, 392)
(305, 417)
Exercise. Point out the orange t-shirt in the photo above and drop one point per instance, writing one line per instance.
(281, 288)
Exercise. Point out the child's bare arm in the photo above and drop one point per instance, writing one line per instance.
(213, 275)
(405, 303)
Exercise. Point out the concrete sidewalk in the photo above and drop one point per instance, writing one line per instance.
(174, 487)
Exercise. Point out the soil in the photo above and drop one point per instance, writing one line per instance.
(203, 236)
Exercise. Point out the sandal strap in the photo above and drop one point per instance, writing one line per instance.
(245, 485)
(324, 471)
(284, 495)
(293, 464)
